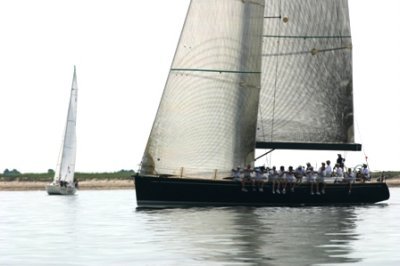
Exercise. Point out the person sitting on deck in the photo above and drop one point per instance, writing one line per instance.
(310, 177)
(282, 180)
(328, 169)
(338, 172)
(273, 175)
(358, 175)
(247, 178)
(350, 178)
(299, 173)
(259, 179)
(266, 174)
(290, 177)
(236, 174)
(365, 173)
(321, 178)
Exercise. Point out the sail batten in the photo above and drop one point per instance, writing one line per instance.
(215, 70)
(313, 51)
(306, 36)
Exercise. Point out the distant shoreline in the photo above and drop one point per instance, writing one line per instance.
(83, 185)
(103, 184)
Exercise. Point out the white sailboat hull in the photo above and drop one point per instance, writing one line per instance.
(56, 189)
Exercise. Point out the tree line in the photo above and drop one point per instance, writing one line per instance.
(15, 175)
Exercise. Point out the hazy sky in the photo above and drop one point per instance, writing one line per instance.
(123, 50)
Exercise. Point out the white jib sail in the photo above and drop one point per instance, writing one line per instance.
(206, 121)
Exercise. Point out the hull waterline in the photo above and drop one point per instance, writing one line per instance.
(58, 190)
(158, 192)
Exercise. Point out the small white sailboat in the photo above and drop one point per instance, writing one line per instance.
(63, 182)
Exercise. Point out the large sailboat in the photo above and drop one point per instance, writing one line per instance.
(63, 182)
(273, 74)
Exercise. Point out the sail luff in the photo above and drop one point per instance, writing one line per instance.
(66, 162)
(146, 165)
(206, 121)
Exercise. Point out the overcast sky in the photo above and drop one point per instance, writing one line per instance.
(123, 50)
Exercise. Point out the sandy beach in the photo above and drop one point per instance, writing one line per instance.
(103, 184)
(393, 182)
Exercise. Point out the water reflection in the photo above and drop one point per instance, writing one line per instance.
(102, 228)
(248, 236)
(295, 236)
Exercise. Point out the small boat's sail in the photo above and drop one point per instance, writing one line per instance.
(306, 99)
(207, 117)
(63, 182)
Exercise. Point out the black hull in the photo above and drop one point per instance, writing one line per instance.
(154, 192)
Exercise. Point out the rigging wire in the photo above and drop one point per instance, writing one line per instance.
(363, 147)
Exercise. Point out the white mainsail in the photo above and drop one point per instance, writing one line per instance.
(306, 94)
(66, 161)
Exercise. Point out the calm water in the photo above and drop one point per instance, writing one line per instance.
(104, 228)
